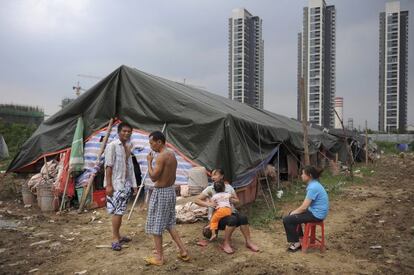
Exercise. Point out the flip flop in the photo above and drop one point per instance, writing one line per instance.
(227, 252)
(125, 239)
(184, 258)
(116, 246)
(153, 261)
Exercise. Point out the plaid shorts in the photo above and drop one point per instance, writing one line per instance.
(161, 210)
(117, 204)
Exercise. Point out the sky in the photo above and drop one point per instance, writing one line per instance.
(46, 45)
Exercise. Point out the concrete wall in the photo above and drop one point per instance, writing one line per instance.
(397, 138)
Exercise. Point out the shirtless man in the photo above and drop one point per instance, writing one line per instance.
(161, 209)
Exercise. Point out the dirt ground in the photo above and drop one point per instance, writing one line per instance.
(369, 230)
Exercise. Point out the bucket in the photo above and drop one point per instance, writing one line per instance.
(46, 196)
(28, 197)
(100, 198)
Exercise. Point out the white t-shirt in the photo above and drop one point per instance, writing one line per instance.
(209, 192)
(222, 200)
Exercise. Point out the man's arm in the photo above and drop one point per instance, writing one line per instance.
(156, 172)
(108, 174)
(109, 163)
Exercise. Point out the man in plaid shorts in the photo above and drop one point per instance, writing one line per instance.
(161, 208)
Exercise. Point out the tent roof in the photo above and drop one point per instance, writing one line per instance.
(209, 129)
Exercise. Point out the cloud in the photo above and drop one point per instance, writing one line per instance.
(45, 44)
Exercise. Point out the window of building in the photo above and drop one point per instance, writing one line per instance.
(391, 82)
(392, 74)
(313, 96)
(391, 90)
(315, 65)
(392, 36)
(392, 43)
(392, 67)
(392, 59)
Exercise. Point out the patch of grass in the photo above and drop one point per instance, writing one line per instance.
(387, 147)
(260, 216)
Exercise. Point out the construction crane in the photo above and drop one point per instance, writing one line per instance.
(89, 76)
(77, 89)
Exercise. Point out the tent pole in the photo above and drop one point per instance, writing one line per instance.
(65, 189)
(278, 166)
(263, 194)
(142, 183)
(92, 176)
(267, 181)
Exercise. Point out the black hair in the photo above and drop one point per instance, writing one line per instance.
(207, 232)
(157, 135)
(124, 125)
(219, 186)
(219, 170)
(312, 171)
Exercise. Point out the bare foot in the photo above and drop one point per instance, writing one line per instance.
(227, 248)
(213, 237)
(252, 247)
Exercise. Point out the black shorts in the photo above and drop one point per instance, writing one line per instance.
(235, 219)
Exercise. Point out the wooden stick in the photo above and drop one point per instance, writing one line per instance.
(47, 170)
(366, 142)
(304, 122)
(92, 177)
(66, 187)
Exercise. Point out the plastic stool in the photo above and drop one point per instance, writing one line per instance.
(309, 239)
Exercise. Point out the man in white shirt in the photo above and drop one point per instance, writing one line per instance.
(119, 179)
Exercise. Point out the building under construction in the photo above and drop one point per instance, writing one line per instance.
(10, 113)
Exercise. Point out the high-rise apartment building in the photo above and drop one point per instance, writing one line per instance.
(246, 58)
(316, 63)
(393, 62)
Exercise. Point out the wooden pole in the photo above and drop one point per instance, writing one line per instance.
(366, 142)
(92, 177)
(65, 189)
(47, 170)
(304, 116)
(348, 147)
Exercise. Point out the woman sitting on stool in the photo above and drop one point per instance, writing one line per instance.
(313, 209)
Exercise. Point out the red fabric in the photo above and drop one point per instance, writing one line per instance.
(60, 186)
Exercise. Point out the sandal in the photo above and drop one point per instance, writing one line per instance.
(153, 261)
(125, 239)
(116, 246)
(293, 248)
(184, 258)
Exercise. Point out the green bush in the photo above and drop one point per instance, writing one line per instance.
(15, 135)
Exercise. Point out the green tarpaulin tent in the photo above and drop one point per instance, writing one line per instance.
(209, 129)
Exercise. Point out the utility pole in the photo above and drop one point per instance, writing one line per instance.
(366, 142)
(348, 147)
(304, 122)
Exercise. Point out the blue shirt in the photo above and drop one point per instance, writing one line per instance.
(320, 202)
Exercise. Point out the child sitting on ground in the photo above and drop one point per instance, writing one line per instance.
(222, 207)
